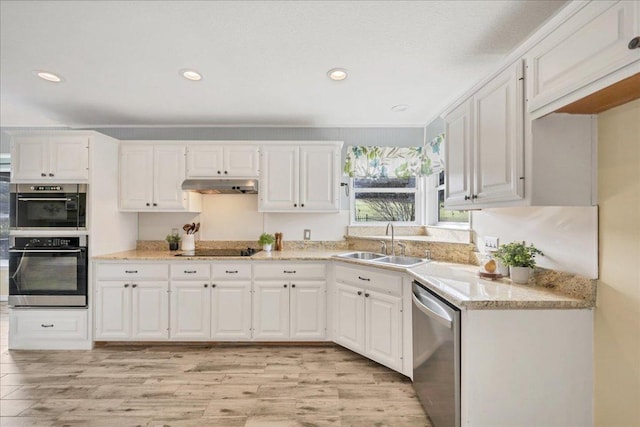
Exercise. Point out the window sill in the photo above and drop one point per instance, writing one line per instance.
(439, 234)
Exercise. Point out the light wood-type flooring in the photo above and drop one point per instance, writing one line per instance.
(201, 385)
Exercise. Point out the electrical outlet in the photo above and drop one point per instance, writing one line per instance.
(490, 243)
(307, 234)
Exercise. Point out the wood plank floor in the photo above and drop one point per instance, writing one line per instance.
(229, 385)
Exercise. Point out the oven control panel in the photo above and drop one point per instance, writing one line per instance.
(49, 242)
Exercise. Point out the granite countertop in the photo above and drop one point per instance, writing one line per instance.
(457, 283)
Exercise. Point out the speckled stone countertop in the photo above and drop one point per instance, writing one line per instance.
(457, 283)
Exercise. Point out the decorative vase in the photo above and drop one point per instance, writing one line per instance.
(267, 247)
(520, 274)
(173, 246)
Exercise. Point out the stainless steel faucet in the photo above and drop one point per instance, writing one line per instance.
(393, 238)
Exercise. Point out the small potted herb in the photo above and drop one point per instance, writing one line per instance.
(520, 259)
(173, 239)
(266, 240)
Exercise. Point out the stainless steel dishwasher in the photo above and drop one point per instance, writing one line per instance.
(436, 356)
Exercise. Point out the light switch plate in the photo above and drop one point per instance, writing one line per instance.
(491, 243)
(307, 234)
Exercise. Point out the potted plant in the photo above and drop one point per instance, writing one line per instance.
(173, 239)
(266, 240)
(520, 259)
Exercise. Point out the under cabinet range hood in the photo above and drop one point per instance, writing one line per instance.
(221, 186)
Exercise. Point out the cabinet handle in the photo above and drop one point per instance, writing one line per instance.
(634, 43)
(206, 286)
(359, 292)
(126, 285)
(231, 271)
(284, 286)
(50, 325)
(134, 286)
(50, 174)
(289, 271)
(190, 271)
(366, 295)
(43, 174)
(364, 278)
(131, 271)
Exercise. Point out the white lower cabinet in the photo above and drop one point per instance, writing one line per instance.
(190, 304)
(45, 329)
(368, 314)
(231, 310)
(289, 301)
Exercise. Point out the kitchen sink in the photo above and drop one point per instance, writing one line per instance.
(367, 256)
(401, 260)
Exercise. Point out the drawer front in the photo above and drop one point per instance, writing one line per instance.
(49, 324)
(231, 271)
(185, 271)
(290, 271)
(126, 271)
(390, 283)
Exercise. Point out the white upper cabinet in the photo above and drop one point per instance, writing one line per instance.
(590, 45)
(300, 177)
(62, 157)
(215, 160)
(485, 144)
(151, 177)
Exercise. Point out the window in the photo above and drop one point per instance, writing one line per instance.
(385, 199)
(446, 216)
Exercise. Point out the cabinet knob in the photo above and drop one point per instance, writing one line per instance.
(43, 174)
(295, 205)
(467, 198)
(126, 285)
(148, 204)
(50, 174)
(134, 286)
(155, 204)
(284, 286)
(302, 205)
(359, 292)
(225, 172)
(634, 43)
(219, 172)
(366, 295)
(475, 196)
(206, 286)
(213, 285)
(293, 286)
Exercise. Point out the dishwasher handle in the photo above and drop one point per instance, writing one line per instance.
(433, 309)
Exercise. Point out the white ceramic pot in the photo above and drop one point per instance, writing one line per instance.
(502, 269)
(188, 242)
(520, 274)
(267, 247)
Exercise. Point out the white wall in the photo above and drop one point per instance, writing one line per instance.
(568, 236)
(236, 217)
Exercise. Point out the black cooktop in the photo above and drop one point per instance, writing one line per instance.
(220, 252)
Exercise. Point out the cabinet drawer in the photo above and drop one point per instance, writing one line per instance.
(49, 324)
(290, 271)
(231, 271)
(190, 271)
(389, 283)
(132, 271)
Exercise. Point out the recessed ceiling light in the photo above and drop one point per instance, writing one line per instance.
(400, 108)
(191, 75)
(46, 75)
(337, 74)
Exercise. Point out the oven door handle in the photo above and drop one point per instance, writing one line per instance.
(44, 199)
(47, 251)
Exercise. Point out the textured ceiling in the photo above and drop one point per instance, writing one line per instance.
(263, 62)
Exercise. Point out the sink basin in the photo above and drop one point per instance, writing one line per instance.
(401, 260)
(368, 256)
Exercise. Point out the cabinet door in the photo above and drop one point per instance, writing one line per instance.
(590, 45)
(29, 158)
(150, 310)
(319, 178)
(190, 308)
(241, 161)
(499, 138)
(458, 161)
(168, 175)
(204, 161)
(349, 317)
(136, 176)
(113, 310)
(69, 158)
(383, 328)
(271, 310)
(231, 310)
(279, 179)
(308, 313)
